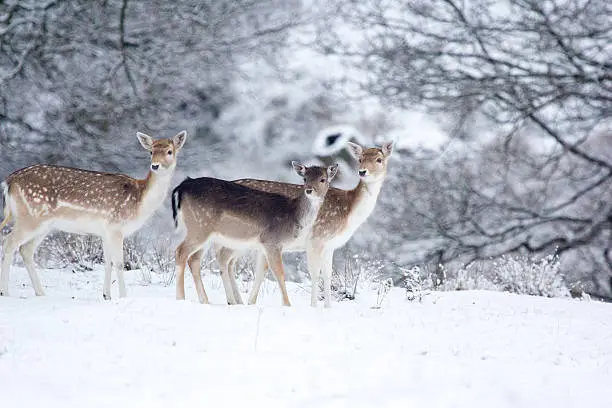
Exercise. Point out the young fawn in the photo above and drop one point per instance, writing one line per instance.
(41, 198)
(239, 217)
(342, 212)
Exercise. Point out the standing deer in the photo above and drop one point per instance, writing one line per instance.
(342, 212)
(42, 198)
(239, 217)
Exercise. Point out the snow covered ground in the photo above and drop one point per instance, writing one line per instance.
(460, 349)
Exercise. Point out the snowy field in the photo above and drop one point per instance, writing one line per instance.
(460, 349)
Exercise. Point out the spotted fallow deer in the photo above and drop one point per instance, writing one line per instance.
(342, 212)
(239, 217)
(41, 198)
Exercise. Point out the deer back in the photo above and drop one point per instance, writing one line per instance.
(43, 191)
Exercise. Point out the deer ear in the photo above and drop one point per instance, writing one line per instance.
(355, 150)
(332, 171)
(387, 148)
(299, 168)
(145, 140)
(179, 140)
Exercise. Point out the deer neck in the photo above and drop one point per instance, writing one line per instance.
(307, 211)
(364, 200)
(155, 188)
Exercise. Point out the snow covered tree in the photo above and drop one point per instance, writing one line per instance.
(527, 85)
(78, 78)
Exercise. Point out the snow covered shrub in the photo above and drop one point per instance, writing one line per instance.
(160, 259)
(417, 285)
(578, 291)
(82, 252)
(511, 273)
(134, 251)
(61, 250)
(520, 274)
(357, 271)
(474, 276)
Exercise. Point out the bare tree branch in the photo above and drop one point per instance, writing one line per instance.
(122, 46)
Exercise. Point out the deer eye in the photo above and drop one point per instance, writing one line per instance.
(322, 180)
(379, 160)
(169, 152)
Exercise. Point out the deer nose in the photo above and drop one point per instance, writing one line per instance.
(309, 191)
(362, 173)
(154, 167)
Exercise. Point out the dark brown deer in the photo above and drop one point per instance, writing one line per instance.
(239, 217)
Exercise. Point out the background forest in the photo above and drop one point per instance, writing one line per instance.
(501, 112)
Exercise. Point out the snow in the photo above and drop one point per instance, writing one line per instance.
(455, 349)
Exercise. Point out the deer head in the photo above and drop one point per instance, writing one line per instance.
(316, 179)
(163, 152)
(372, 161)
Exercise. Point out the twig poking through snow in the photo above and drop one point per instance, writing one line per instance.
(383, 289)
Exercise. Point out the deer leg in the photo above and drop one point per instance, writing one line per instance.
(260, 274)
(195, 265)
(108, 269)
(183, 252)
(232, 274)
(113, 259)
(224, 257)
(313, 256)
(14, 239)
(118, 263)
(276, 263)
(180, 258)
(327, 266)
(27, 251)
